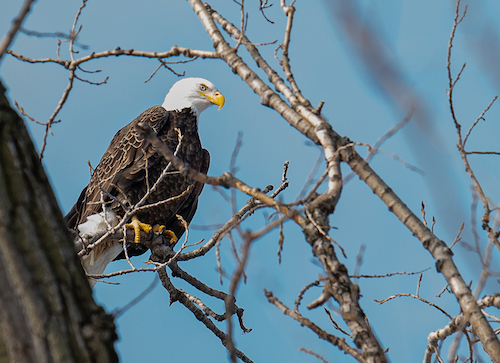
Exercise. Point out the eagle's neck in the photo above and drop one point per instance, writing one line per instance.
(174, 102)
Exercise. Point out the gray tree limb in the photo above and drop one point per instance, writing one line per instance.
(438, 249)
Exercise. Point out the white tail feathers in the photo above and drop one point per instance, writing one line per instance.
(96, 261)
(97, 224)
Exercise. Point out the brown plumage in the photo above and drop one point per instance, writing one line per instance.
(131, 166)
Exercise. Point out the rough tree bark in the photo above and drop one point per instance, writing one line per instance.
(47, 311)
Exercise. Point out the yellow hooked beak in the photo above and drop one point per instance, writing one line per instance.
(216, 98)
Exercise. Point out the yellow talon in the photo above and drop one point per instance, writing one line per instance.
(137, 226)
(171, 236)
(161, 229)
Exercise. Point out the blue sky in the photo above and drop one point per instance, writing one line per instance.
(326, 66)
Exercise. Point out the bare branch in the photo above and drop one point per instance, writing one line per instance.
(415, 297)
(173, 52)
(301, 294)
(119, 312)
(481, 117)
(492, 235)
(16, 25)
(313, 354)
(59, 106)
(177, 295)
(285, 62)
(338, 342)
(389, 274)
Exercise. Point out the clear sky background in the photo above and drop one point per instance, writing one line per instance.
(327, 67)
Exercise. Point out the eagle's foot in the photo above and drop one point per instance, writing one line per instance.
(137, 226)
(167, 233)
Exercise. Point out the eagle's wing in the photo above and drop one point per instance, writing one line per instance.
(123, 163)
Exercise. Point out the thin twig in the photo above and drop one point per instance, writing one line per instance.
(415, 297)
(313, 354)
(120, 311)
(389, 274)
(481, 117)
(338, 342)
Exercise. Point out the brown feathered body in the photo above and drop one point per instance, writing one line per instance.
(130, 167)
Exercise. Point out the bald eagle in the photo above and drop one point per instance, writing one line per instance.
(130, 167)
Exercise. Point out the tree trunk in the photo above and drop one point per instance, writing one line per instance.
(47, 313)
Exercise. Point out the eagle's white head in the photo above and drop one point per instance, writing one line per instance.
(196, 93)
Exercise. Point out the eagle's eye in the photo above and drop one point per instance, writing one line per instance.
(203, 87)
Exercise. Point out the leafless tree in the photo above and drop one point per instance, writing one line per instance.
(311, 211)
